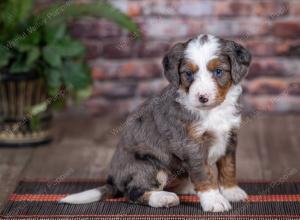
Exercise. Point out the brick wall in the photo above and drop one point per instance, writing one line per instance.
(126, 71)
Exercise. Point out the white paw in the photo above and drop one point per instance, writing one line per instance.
(213, 201)
(163, 199)
(234, 194)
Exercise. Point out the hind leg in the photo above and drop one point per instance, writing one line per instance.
(149, 190)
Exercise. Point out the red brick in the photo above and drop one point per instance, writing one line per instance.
(99, 106)
(272, 86)
(274, 67)
(240, 29)
(278, 103)
(260, 47)
(134, 9)
(294, 7)
(94, 48)
(150, 88)
(195, 27)
(294, 87)
(162, 7)
(237, 27)
(195, 7)
(98, 73)
(271, 46)
(271, 9)
(287, 29)
(192, 8)
(233, 8)
(114, 89)
(95, 28)
(288, 48)
(120, 48)
(127, 69)
(164, 28)
(154, 48)
(265, 86)
(120, 5)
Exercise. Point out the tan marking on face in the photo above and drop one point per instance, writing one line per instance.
(192, 66)
(222, 88)
(213, 64)
(222, 91)
(227, 171)
(187, 65)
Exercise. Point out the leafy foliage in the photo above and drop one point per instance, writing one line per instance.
(38, 41)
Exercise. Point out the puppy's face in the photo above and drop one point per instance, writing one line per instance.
(205, 68)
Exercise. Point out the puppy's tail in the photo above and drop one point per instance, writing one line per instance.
(88, 196)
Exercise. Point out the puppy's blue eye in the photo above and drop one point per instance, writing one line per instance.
(218, 72)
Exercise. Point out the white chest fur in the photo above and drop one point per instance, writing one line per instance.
(220, 120)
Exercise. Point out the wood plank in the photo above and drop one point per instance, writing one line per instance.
(280, 158)
(84, 151)
(249, 166)
(12, 164)
(82, 159)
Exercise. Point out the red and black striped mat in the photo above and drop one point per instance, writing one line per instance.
(39, 200)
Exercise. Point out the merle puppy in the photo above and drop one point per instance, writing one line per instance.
(171, 143)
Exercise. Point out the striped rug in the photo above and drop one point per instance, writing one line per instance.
(39, 200)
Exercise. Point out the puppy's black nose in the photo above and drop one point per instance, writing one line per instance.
(203, 99)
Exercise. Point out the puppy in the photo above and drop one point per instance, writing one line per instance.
(172, 142)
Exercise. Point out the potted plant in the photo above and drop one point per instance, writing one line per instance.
(42, 66)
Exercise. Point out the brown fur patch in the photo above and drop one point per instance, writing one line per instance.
(226, 164)
(211, 183)
(222, 91)
(187, 66)
(227, 170)
(225, 81)
(213, 64)
(145, 198)
(198, 138)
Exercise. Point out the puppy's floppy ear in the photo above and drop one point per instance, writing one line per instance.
(240, 59)
(171, 63)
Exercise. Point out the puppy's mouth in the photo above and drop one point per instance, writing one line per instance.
(205, 107)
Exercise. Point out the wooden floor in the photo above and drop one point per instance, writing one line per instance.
(269, 149)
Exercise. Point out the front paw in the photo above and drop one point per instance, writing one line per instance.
(163, 199)
(213, 201)
(234, 194)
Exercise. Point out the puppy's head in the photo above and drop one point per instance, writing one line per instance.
(205, 68)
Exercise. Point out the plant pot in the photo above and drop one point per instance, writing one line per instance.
(18, 93)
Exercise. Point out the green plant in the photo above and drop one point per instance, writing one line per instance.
(38, 41)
